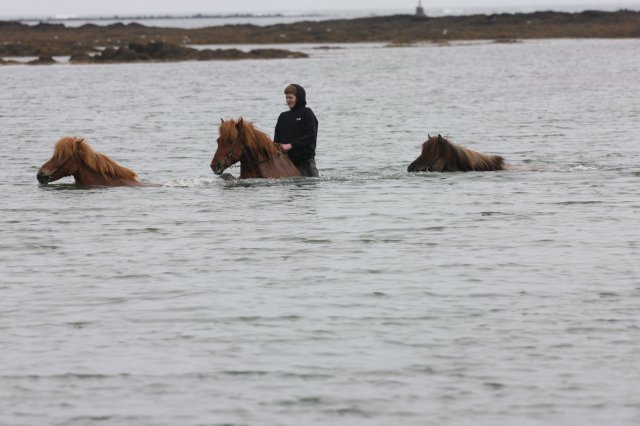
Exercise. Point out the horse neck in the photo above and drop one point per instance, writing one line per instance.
(259, 166)
(85, 176)
(251, 165)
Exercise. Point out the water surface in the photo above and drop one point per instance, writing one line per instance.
(367, 296)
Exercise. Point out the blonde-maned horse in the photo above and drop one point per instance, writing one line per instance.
(258, 155)
(440, 155)
(73, 156)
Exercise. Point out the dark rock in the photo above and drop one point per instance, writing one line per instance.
(5, 62)
(229, 54)
(80, 58)
(10, 24)
(45, 26)
(42, 60)
(276, 54)
(160, 51)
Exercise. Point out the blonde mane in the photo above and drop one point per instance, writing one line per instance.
(255, 141)
(68, 147)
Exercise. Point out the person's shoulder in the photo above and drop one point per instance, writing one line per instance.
(308, 112)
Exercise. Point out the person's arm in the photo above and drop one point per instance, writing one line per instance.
(276, 137)
(276, 133)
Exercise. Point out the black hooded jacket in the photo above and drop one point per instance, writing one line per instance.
(299, 127)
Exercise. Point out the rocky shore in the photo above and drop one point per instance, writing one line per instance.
(160, 51)
(134, 42)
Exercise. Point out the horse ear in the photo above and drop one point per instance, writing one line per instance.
(78, 146)
(221, 120)
(240, 123)
(428, 136)
(440, 138)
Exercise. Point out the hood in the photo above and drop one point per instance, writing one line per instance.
(301, 97)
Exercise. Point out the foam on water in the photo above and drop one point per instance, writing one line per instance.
(192, 182)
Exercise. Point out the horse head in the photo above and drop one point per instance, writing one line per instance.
(230, 145)
(424, 161)
(72, 156)
(64, 161)
(441, 155)
(259, 157)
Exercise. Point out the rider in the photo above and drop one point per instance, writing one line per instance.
(297, 130)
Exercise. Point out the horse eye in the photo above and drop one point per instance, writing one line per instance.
(230, 142)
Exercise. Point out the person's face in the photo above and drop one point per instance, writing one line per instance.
(291, 99)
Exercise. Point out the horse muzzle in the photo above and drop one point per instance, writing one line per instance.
(42, 178)
(218, 168)
(417, 167)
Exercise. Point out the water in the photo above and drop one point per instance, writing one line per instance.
(208, 20)
(367, 296)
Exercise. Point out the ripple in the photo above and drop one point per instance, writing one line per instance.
(197, 182)
(368, 295)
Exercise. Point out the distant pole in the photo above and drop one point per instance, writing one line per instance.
(420, 10)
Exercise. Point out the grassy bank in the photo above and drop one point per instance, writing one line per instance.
(17, 39)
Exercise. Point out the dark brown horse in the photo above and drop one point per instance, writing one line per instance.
(440, 155)
(72, 156)
(258, 155)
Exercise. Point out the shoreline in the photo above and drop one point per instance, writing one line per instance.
(45, 40)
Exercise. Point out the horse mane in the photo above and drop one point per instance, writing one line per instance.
(255, 141)
(456, 157)
(69, 146)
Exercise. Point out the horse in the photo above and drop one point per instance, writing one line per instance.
(259, 156)
(73, 156)
(441, 155)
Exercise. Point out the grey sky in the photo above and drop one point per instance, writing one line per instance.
(129, 7)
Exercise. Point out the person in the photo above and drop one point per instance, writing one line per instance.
(297, 131)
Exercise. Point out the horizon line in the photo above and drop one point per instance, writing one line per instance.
(443, 11)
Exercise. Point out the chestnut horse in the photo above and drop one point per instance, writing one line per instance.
(72, 156)
(259, 156)
(440, 155)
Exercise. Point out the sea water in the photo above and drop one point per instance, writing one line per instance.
(367, 296)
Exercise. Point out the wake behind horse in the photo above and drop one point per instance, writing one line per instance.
(72, 156)
(440, 155)
(258, 155)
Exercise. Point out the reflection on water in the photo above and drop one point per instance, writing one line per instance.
(366, 295)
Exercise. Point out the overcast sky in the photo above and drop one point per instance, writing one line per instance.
(187, 7)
